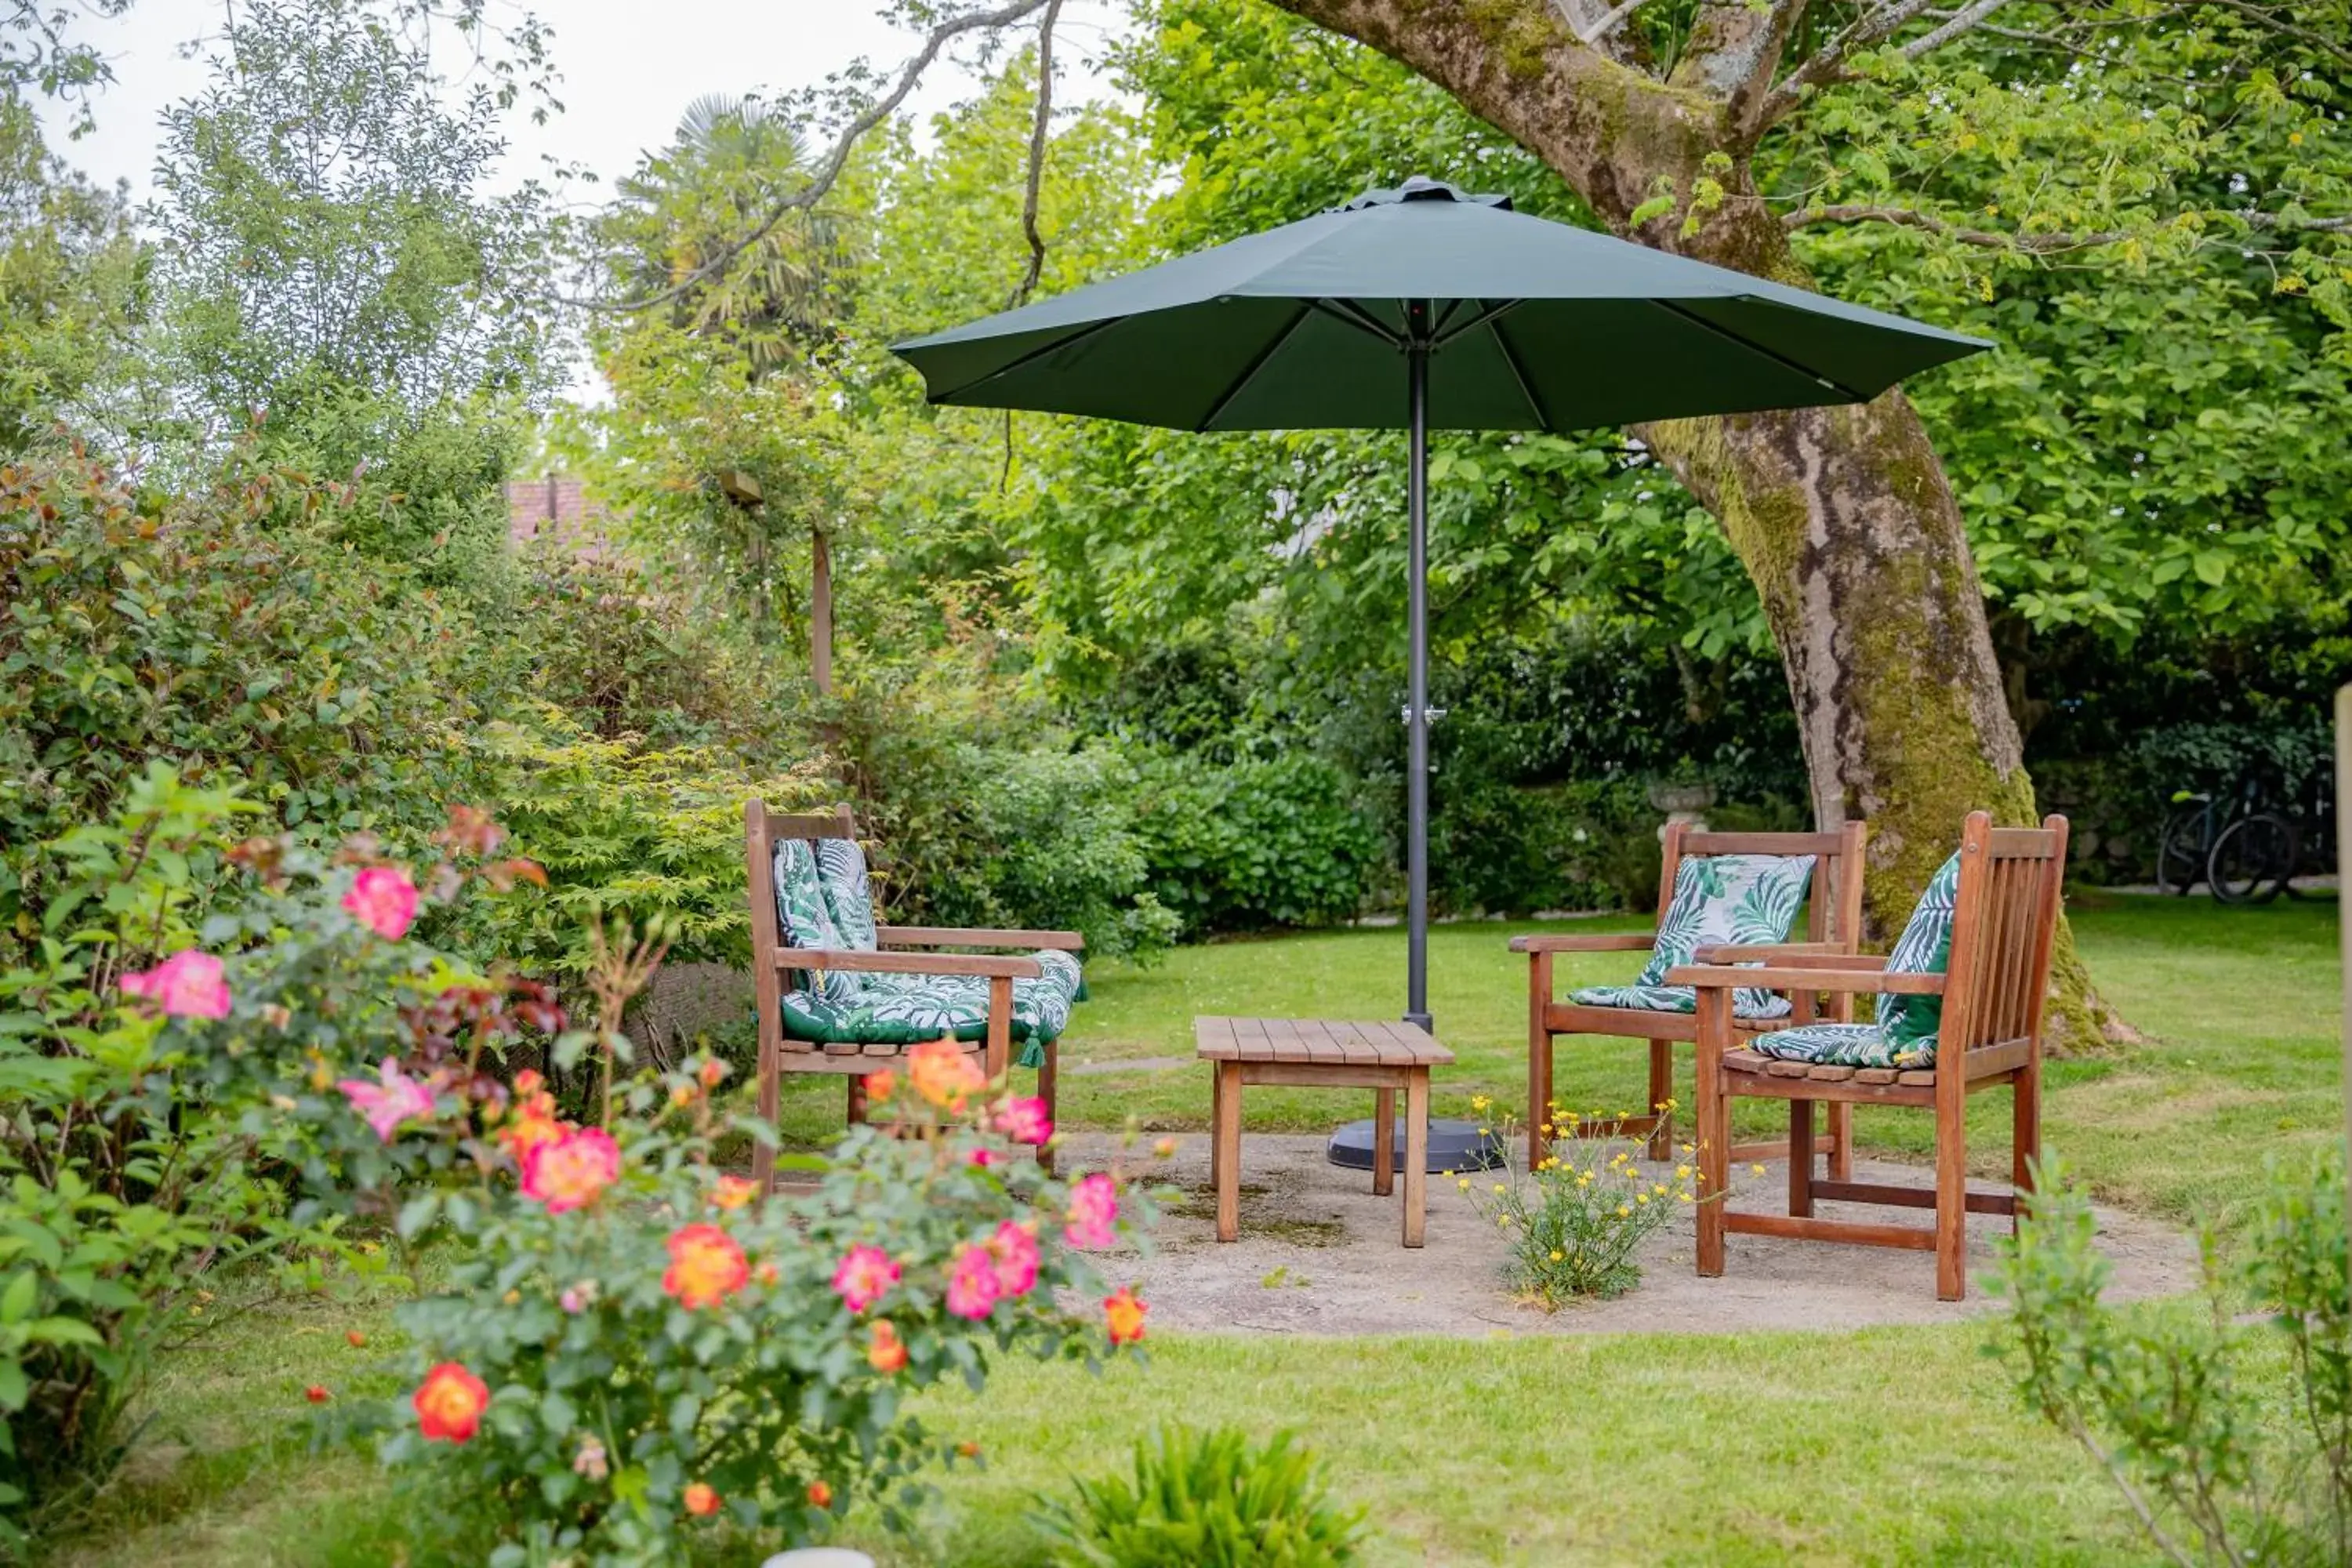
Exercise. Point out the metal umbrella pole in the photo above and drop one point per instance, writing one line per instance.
(1416, 788)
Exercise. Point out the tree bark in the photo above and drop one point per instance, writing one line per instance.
(1842, 516)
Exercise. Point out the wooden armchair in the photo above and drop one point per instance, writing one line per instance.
(1948, 1027)
(1833, 925)
(813, 1018)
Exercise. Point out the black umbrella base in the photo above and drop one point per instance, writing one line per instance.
(1453, 1146)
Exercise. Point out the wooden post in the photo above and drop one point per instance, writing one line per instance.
(1714, 1119)
(821, 611)
(1228, 1155)
(1539, 1057)
(1662, 1090)
(1416, 1155)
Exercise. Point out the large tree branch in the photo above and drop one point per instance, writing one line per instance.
(1828, 63)
(1040, 127)
(1961, 21)
(836, 158)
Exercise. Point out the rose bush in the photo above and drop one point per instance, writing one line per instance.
(632, 1346)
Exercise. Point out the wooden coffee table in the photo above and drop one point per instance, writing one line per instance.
(1315, 1053)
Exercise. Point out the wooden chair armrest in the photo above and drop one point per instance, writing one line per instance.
(1790, 978)
(1624, 941)
(953, 936)
(987, 966)
(1792, 955)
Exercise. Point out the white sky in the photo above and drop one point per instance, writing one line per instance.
(629, 69)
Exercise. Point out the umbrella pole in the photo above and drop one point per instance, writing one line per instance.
(1416, 789)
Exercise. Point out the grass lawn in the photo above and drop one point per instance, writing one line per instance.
(1894, 1445)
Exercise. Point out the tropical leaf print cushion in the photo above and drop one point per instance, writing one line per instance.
(804, 919)
(1719, 900)
(1924, 947)
(848, 895)
(907, 1009)
(1905, 1033)
(1745, 1003)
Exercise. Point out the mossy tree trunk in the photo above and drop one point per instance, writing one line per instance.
(1842, 516)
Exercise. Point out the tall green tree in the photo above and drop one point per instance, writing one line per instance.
(337, 267)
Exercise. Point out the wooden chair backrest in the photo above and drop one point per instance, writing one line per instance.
(1833, 912)
(2005, 920)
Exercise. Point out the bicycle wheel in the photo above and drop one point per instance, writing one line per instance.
(2251, 859)
(2181, 853)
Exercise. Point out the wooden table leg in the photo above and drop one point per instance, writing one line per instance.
(1216, 1120)
(1228, 1155)
(1383, 1141)
(1416, 1154)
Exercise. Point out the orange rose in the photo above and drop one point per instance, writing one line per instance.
(713, 1073)
(701, 1499)
(881, 1085)
(705, 1266)
(942, 1072)
(316, 1393)
(1124, 1313)
(886, 1352)
(734, 1192)
(820, 1495)
(449, 1403)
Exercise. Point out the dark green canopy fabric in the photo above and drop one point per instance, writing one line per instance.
(1535, 326)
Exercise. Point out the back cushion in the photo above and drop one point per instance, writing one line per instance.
(1723, 899)
(1924, 947)
(848, 896)
(804, 919)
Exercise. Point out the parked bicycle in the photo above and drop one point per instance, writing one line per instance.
(2248, 845)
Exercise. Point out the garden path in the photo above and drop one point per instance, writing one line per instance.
(1318, 1255)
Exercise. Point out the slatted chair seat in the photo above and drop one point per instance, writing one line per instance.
(1715, 890)
(1958, 1011)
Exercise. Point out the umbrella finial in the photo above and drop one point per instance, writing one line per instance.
(1422, 188)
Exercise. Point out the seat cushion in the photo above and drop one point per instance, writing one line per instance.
(907, 1009)
(1745, 1003)
(1845, 1046)
(804, 918)
(1722, 901)
(1924, 947)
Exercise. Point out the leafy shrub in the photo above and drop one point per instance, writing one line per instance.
(1253, 843)
(1575, 1224)
(653, 837)
(2221, 1464)
(145, 1143)
(221, 631)
(1208, 1500)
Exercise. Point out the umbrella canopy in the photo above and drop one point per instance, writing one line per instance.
(1532, 325)
(1420, 307)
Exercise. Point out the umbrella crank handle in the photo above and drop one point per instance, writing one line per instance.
(1431, 714)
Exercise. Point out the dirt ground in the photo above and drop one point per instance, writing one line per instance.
(1319, 1254)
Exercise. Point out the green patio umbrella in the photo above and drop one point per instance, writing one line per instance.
(1421, 308)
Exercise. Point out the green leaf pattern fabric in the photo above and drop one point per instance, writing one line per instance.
(823, 899)
(804, 918)
(1905, 1033)
(1745, 1003)
(907, 1009)
(1924, 947)
(1718, 900)
(1839, 1044)
(848, 895)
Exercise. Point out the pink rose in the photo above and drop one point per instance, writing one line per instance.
(393, 1099)
(971, 1288)
(1015, 1247)
(384, 900)
(567, 1172)
(1094, 1210)
(188, 984)
(864, 1277)
(1023, 1120)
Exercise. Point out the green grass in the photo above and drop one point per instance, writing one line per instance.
(1893, 1446)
